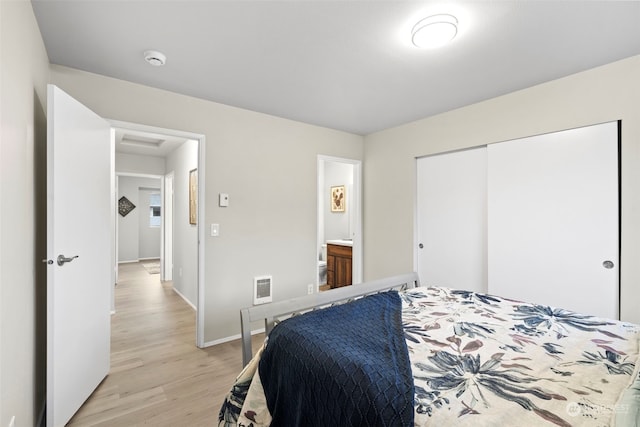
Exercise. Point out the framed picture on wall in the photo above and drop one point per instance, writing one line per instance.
(338, 199)
(193, 196)
(125, 206)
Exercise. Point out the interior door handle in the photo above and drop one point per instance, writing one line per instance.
(608, 264)
(62, 259)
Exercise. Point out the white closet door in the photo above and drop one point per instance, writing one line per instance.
(451, 219)
(553, 219)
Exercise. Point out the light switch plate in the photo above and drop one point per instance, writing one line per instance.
(215, 230)
(223, 200)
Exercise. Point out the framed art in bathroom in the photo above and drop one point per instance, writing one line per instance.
(193, 196)
(338, 199)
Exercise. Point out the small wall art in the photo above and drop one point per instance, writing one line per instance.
(338, 199)
(125, 206)
(193, 196)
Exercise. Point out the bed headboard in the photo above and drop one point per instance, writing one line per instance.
(273, 312)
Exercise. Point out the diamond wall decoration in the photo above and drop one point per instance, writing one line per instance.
(125, 206)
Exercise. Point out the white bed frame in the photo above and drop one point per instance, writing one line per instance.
(277, 311)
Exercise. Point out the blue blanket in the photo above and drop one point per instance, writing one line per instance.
(346, 365)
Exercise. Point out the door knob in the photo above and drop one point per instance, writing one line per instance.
(62, 259)
(420, 245)
(608, 264)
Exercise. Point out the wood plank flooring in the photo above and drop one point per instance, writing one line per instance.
(158, 376)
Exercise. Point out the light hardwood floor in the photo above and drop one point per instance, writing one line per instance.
(158, 376)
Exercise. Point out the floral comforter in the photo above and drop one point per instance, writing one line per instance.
(481, 360)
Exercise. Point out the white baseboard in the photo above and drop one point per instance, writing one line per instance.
(231, 338)
(184, 298)
(129, 261)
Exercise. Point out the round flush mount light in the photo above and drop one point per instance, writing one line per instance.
(434, 31)
(155, 58)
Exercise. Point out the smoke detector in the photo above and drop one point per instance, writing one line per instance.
(155, 58)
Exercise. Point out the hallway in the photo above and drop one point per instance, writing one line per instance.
(158, 376)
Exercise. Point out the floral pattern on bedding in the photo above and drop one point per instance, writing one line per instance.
(483, 360)
(245, 404)
(480, 360)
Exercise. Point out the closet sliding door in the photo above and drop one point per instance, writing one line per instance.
(451, 219)
(553, 221)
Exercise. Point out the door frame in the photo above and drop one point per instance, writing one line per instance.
(160, 179)
(200, 138)
(166, 236)
(356, 209)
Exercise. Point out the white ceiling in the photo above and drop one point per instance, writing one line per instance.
(346, 65)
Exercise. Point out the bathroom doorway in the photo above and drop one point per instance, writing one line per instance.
(339, 221)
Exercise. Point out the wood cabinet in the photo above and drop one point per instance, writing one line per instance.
(338, 265)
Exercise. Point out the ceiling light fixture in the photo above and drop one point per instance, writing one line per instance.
(155, 58)
(434, 31)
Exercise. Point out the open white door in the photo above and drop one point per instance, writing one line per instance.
(78, 225)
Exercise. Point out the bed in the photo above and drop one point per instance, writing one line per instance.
(390, 352)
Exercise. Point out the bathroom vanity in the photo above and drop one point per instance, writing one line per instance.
(339, 254)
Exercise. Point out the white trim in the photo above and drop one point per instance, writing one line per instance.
(113, 218)
(139, 175)
(200, 300)
(166, 271)
(416, 238)
(232, 338)
(137, 260)
(184, 298)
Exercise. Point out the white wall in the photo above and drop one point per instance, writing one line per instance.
(268, 167)
(130, 229)
(134, 163)
(337, 225)
(603, 94)
(185, 237)
(24, 73)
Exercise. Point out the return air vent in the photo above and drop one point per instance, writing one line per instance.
(261, 289)
(141, 141)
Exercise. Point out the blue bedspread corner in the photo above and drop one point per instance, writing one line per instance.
(343, 365)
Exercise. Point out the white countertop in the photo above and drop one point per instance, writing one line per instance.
(340, 242)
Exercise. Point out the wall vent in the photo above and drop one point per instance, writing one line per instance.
(262, 289)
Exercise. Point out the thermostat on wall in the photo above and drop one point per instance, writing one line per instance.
(262, 289)
(223, 199)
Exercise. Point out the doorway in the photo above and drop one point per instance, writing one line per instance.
(339, 224)
(139, 229)
(175, 153)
